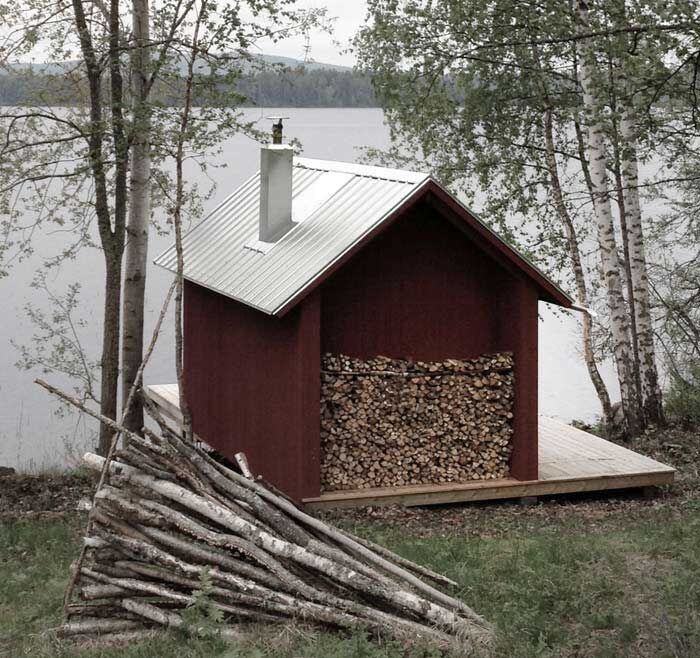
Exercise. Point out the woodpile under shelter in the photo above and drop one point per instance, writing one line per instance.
(357, 331)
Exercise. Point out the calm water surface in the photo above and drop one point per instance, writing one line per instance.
(33, 436)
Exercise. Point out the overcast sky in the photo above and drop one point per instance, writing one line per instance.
(325, 48)
(349, 15)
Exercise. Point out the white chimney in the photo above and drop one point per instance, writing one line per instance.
(275, 187)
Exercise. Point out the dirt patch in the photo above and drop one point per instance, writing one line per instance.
(43, 495)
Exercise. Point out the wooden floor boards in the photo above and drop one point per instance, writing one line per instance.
(570, 461)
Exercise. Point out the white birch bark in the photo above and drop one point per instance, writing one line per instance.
(605, 228)
(357, 616)
(99, 627)
(136, 254)
(622, 211)
(651, 391)
(391, 593)
(576, 265)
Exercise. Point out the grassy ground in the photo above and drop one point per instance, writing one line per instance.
(606, 578)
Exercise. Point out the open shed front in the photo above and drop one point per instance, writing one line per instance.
(426, 289)
(570, 461)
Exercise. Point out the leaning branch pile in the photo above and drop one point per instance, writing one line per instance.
(395, 422)
(172, 526)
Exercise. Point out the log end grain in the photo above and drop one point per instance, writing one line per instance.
(394, 422)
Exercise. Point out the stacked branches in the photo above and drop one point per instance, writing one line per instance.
(393, 422)
(173, 525)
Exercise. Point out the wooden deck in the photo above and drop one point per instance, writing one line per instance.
(570, 461)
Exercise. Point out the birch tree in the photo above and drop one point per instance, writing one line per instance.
(511, 100)
(65, 159)
(504, 119)
(631, 215)
(605, 228)
(45, 145)
(136, 260)
(649, 378)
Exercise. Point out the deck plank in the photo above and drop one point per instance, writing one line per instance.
(167, 397)
(570, 461)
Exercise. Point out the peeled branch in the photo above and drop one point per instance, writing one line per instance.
(172, 529)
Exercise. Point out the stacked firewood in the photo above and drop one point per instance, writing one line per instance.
(393, 422)
(174, 534)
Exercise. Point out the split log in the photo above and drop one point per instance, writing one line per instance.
(388, 592)
(109, 640)
(394, 422)
(98, 626)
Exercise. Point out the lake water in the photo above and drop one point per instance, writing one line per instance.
(33, 436)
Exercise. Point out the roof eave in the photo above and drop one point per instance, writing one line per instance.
(549, 291)
(379, 226)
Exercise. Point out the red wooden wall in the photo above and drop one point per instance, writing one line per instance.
(423, 290)
(253, 385)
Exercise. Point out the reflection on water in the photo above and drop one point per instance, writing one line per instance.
(32, 436)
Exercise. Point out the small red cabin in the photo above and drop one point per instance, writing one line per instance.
(310, 257)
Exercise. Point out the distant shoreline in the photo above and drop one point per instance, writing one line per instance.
(289, 87)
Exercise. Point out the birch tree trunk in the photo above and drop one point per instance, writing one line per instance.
(573, 245)
(595, 148)
(633, 236)
(139, 215)
(576, 266)
(622, 211)
(651, 391)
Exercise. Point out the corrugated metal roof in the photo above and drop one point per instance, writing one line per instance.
(221, 253)
(335, 205)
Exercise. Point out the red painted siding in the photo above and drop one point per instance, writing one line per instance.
(517, 332)
(253, 385)
(422, 290)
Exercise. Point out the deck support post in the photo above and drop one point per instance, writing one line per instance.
(528, 501)
(650, 492)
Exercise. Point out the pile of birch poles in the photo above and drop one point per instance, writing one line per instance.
(169, 518)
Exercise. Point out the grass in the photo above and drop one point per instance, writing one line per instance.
(610, 589)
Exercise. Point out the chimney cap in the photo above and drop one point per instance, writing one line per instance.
(277, 128)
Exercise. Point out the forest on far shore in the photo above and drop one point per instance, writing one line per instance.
(274, 87)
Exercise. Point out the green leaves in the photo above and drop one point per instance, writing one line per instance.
(202, 617)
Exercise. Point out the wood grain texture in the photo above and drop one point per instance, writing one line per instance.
(463, 220)
(570, 461)
(444, 494)
(253, 383)
(391, 422)
(432, 284)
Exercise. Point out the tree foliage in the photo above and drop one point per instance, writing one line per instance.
(65, 158)
(469, 89)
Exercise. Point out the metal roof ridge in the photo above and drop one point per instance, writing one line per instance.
(371, 171)
(293, 298)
